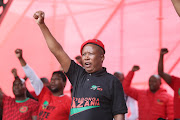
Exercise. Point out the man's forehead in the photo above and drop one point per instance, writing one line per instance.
(56, 75)
(91, 47)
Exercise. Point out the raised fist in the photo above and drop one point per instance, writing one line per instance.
(164, 51)
(14, 72)
(39, 17)
(135, 68)
(18, 53)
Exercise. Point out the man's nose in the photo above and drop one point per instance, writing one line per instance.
(87, 56)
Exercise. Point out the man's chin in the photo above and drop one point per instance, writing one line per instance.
(18, 95)
(89, 70)
(53, 90)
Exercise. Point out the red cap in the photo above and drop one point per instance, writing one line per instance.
(95, 42)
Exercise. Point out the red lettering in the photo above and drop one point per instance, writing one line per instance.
(80, 104)
(92, 103)
(86, 104)
(73, 104)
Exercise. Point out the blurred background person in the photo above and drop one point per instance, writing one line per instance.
(172, 81)
(153, 103)
(79, 60)
(54, 105)
(130, 102)
(21, 107)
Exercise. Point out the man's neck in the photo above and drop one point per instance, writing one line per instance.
(59, 93)
(20, 98)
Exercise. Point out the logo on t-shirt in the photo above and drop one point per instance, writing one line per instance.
(45, 104)
(94, 87)
(160, 102)
(179, 92)
(23, 109)
(83, 104)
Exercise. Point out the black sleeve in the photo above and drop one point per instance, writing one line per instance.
(118, 101)
(1, 111)
(74, 72)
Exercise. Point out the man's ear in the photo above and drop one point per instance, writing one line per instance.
(64, 84)
(102, 57)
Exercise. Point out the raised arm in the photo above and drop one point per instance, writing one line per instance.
(1, 98)
(14, 72)
(176, 4)
(161, 72)
(132, 92)
(34, 79)
(52, 43)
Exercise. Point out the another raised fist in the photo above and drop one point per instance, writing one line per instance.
(135, 68)
(164, 51)
(18, 53)
(14, 72)
(39, 17)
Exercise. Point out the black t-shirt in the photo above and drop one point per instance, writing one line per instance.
(96, 96)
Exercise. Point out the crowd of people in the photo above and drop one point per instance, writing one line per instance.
(96, 94)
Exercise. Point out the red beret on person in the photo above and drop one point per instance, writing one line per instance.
(95, 42)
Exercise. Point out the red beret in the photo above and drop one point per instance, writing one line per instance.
(95, 42)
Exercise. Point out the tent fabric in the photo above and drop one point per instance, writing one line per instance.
(133, 31)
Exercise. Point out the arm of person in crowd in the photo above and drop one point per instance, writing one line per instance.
(161, 72)
(176, 4)
(34, 79)
(52, 43)
(1, 98)
(119, 117)
(14, 72)
(170, 108)
(132, 92)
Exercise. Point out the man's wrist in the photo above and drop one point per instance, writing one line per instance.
(17, 77)
(20, 58)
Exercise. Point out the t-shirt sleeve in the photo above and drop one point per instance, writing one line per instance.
(34, 79)
(118, 101)
(173, 80)
(74, 72)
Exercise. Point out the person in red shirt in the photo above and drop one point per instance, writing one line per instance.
(20, 107)
(153, 103)
(172, 81)
(130, 102)
(45, 82)
(176, 4)
(54, 105)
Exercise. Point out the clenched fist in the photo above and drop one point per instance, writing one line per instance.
(39, 17)
(164, 51)
(135, 68)
(14, 72)
(18, 53)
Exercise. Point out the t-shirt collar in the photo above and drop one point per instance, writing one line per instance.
(21, 101)
(99, 73)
